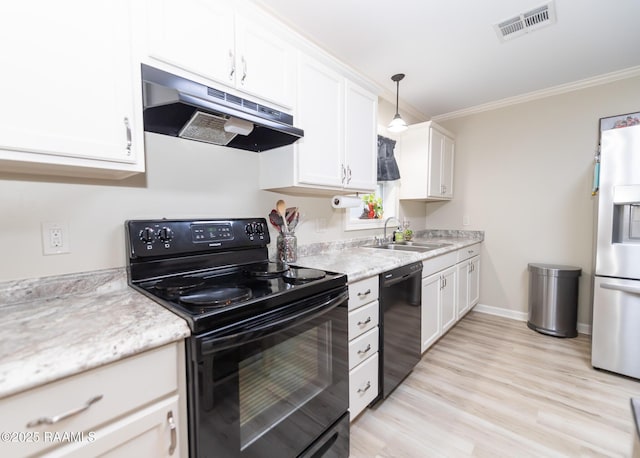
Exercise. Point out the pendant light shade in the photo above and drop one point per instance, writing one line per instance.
(397, 124)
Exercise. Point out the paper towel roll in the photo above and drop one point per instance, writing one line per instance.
(346, 201)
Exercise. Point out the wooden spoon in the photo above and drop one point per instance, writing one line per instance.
(282, 208)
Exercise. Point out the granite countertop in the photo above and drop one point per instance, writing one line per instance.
(54, 328)
(359, 262)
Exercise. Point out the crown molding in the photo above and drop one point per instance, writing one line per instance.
(530, 96)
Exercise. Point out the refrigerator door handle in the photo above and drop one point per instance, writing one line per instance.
(624, 288)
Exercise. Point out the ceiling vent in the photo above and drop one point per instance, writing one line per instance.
(526, 22)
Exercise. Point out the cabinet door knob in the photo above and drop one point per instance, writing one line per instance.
(63, 416)
(174, 433)
(362, 352)
(366, 293)
(348, 174)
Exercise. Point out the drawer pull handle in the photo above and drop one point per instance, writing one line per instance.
(365, 322)
(174, 434)
(367, 386)
(64, 416)
(366, 293)
(362, 352)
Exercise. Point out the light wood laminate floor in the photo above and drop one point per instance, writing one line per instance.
(491, 387)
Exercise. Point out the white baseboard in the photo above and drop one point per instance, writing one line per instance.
(520, 316)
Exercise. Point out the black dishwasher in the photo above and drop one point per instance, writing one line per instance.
(400, 324)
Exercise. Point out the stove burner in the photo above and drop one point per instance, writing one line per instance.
(302, 275)
(178, 284)
(267, 270)
(217, 296)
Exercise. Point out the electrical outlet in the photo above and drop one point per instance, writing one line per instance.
(55, 238)
(465, 220)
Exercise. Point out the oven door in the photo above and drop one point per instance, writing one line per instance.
(271, 385)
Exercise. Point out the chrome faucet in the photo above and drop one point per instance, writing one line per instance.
(385, 240)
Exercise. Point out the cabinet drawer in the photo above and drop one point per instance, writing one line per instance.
(362, 347)
(433, 265)
(362, 292)
(363, 386)
(363, 319)
(146, 432)
(468, 252)
(123, 386)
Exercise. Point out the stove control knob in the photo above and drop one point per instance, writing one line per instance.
(165, 234)
(147, 235)
(249, 229)
(259, 228)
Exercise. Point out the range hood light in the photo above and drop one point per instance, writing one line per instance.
(238, 126)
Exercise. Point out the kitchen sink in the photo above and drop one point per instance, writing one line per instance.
(430, 245)
(419, 247)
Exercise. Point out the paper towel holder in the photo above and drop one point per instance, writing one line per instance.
(346, 201)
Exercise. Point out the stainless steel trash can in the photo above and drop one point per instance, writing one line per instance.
(553, 299)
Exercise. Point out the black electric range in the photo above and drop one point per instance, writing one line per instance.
(213, 272)
(267, 359)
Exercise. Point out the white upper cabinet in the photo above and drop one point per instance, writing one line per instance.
(195, 35)
(218, 41)
(265, 63)
(320, 114)
(70, 93)
(426, 164)
(338, 151)
(360, 139)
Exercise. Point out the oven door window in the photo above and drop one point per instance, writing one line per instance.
(281, 378)
(280, 391)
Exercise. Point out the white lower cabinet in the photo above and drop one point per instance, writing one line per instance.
(431, 329)
(364, 311)
(132, 407)
(468, 278)
(468, 285)
(438, 305)
(363, 385)
(448, 299)
(151, 431)
(450, 288)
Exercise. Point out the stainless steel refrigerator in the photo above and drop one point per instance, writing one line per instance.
(616, 289)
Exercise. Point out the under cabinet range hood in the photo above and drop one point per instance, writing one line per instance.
(182, 108)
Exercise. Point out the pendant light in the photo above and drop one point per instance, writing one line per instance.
(397, 124)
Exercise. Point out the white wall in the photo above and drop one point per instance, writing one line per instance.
(184, 179)
(523, 174)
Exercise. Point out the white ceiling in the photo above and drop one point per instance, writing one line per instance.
(450, 53)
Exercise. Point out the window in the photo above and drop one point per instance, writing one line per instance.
(387, 191)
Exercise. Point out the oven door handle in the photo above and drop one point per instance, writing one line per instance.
(210, 344)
